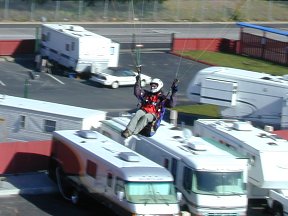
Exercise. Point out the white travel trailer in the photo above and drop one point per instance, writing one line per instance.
(28, 119)
(211, 178)
(130, 184)
(76, 48)
(267, 152)
(241, 94)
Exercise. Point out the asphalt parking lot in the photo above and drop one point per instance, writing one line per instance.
(15, 80)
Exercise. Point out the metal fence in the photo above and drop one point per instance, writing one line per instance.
(264, 48)
(142, 10)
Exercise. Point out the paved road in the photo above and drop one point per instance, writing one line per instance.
(146, 32)
(122, 32)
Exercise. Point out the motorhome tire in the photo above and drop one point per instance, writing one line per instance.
(75, 197)
(185, 208)
(52, 170)
(277, 210)
(65, 188)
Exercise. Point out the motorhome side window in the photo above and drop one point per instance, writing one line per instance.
(187, 179)
(49, 126)
(119, 185)
(166, 163)
(22, 121)
(109, 179)
(112, 50)
(73, 46)
(91, 169)
(67, 47)
(174, 169)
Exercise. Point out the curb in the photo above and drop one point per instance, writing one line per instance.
(31, 191)
(193, 59)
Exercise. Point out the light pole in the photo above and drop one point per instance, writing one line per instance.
(26, 88)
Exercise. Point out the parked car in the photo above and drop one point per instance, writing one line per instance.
(118, 76)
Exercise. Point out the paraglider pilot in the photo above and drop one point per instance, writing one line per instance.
(151, 107)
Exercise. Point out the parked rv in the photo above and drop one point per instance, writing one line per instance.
(211, 178)
(77, 49)
(85, 161)
(26, 119)
(242, 94)
(267, 152)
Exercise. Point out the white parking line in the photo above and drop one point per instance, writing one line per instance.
(55, 78)
(1, 83)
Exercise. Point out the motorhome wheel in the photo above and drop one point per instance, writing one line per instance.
(75, 197)
(277, 210)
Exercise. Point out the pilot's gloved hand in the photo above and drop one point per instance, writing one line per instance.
(138, 78)
(174, 87)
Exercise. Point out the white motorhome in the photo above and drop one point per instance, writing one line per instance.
(241, 94)
(267, 152)
(211, 179)
(27, 119)
(78, 49)
(130, 184)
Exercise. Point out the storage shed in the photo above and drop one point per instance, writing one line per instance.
(25, 119)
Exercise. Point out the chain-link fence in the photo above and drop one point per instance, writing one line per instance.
(142, 10)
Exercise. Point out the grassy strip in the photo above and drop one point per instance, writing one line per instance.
(236, 61)
(204, 110)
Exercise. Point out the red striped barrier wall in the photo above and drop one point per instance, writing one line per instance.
(207, 44)
(16, 47)
(20, 157)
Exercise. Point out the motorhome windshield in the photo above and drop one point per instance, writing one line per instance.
(150, 192)
(218, 183)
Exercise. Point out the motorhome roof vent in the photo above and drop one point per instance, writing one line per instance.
(285, 77)
(87, 134)
(269, 128)
(266, 78)
(177, 138)
(187, 133)
(2, 97)
(129, 156)
(197, 146)
(76, 28)
(274, 78)
(242, 126)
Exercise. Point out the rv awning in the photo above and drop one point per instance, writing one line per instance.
(263, 28)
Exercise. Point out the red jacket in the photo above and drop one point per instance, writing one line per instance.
(153, 102)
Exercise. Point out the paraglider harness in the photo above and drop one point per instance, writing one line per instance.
(151, 128)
